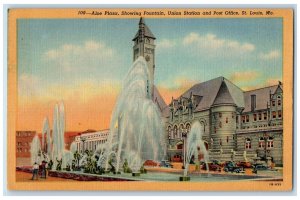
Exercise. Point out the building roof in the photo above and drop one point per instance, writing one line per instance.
(147, 32)
(220, 91)
(262, 97)
(215, 92)
(157, 99)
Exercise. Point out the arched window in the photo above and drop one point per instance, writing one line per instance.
(169, 132)
(270, 142)
(279, 102)
(175, 132)
(226, 120)
(261, 143)
(247, 143)
(274, 114)
(279, 113)
(181, 130)
(188, 128)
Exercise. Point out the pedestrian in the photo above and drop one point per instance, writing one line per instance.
(35, 171)
(44, 166)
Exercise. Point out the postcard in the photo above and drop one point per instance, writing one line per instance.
(150, 99)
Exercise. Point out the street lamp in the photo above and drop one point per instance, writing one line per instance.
(184, 135)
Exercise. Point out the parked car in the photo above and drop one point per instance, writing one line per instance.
(151, 163)
(217, 162)
(165, 163)
(232, 167)
(244, 164)
(176, 158)
(259, 167)
(211, 166)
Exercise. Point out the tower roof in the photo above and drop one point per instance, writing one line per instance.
(143, 29)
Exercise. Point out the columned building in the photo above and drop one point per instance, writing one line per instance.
(89, 140)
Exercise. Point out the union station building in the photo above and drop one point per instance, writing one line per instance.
(237, 125)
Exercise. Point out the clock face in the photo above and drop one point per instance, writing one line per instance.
(147, 58)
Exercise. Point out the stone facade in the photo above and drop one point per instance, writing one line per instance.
(237, 125)
(229, 131)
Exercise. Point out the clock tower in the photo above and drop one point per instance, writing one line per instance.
(144, 46)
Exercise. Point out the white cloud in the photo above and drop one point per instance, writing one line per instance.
(89, 54)
(211, 42)
(166, 44)
(274, 54)
(28, 84)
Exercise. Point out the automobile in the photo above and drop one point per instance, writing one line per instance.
(232, 167)
(244, 164)
(217, 162)
(259, 167)
(176, 158)
(151, 163)
(165, 163)
(211, 166)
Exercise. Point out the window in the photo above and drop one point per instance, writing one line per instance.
(215, 129)
(273, 103)
(247, 118)
(279, 113)
(220, 124)
(261, 143)
(247, 143)
(279, 102)
(259, 116)
(227, 139)
(181, 130)
(175, 131)
(169, 132)
(237, 119)
(226, 120)
(188, 128)
(273, 114)
(265, 116)
(243, 118)
(220, 115)
(254, 117)
(270, 142)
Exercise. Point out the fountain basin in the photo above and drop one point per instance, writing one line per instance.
(184, 178)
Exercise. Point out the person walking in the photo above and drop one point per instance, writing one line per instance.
(44, 172)
(35, 171)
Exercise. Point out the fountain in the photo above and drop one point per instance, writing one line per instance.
(46, 130)
(35, 150)
(193, 141)
(245, 156)
(136, 129)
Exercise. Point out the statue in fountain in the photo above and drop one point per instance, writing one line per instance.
(126, 168)
(50, 164)
(112, 168)
(59, 163)
(77, 158)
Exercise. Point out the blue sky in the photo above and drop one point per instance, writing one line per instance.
(196, 60)
(62, 58)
